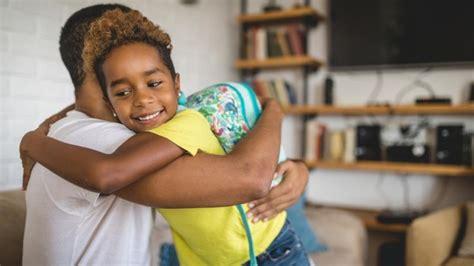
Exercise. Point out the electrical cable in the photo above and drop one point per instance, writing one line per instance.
(371, 100)
(378, 186)
(426, 86)
(417, 82)
(406, 191)
(440, 194)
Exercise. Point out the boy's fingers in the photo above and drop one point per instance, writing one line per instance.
(270, 207)
(258, 202)
(283, 167)
(270, 214)
(26, 179)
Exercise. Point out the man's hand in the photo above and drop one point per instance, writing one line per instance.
(26, 161)
(282, 196)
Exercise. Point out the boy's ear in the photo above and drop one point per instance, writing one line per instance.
(109, 105)
(177, 84)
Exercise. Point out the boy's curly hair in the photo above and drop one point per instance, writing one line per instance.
(116, 28)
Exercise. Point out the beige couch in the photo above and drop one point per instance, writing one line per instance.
(344, 234)
(433, 239)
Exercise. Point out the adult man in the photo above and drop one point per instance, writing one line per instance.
(67, 224)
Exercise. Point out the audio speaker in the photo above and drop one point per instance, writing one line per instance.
(449, 144)
(467, 158)
(414, 153)
(368, 146)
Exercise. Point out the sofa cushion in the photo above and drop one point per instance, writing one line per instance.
(460, 261)
(343, 233)
(12, 213)
(300, 223)
(430, 238)
(467, 245)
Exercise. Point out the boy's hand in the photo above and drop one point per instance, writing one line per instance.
(26, 161)
(27, 164)
(282, 196)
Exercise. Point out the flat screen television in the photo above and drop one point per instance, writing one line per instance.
(372, 34)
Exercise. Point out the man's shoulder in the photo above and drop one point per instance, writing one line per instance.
(77, 120)
(79, 129)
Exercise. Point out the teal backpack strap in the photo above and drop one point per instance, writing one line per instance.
(253, 258)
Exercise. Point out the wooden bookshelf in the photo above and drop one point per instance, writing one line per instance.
(369, 218)
(435, 109)
(335, 110)
(278, 62)
(283, 15)
(394, 167)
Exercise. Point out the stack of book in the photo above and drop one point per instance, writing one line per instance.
(335, 145)
(278, 89)
(278, 41)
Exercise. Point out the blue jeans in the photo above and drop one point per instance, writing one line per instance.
(285, 250)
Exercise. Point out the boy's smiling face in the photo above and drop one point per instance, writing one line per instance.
(140, 87)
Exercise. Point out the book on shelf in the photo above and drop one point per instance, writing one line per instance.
(278, 89)
(273, 47)
(315, 132)
(282, 42)
(261, 44)
(276, 41)
(336, 145)
(331, 145)
(349, 145)
(295, 37)
(282, 94)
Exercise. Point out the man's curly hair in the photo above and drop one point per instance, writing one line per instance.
(117, 28)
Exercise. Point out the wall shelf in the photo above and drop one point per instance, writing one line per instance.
(432, 109)
(301, 13)
(278, 62)
(394, 167)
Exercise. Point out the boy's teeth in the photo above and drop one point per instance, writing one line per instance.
(148, 117)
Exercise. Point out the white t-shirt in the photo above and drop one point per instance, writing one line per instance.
(69, 225)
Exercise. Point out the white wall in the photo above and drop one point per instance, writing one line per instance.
(34, 83)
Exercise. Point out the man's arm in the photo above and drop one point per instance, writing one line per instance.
(206, 180)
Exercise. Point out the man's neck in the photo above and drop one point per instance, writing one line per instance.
(89, 100)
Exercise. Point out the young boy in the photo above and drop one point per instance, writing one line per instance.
(131, 58)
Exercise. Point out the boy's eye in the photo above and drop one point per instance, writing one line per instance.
(154, 84)
(122, 93)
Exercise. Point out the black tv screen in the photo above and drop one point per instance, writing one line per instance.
(370, 34)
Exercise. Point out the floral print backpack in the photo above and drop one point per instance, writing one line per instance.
(231, 109)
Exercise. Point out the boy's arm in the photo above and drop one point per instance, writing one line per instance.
(93, 170)
(206, 180)
(28, 162)
(211, 180)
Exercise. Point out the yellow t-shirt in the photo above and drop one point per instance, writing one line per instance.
(210, 236)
